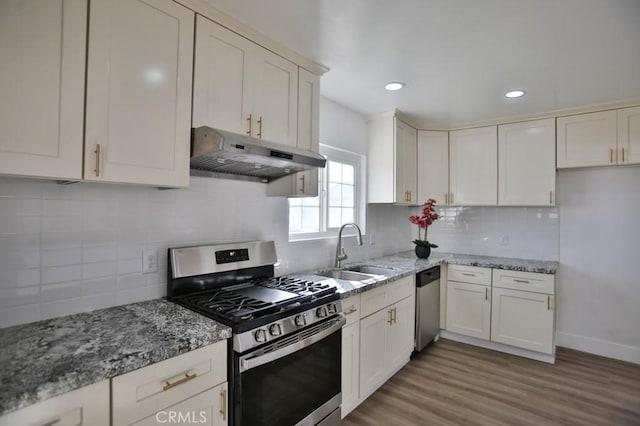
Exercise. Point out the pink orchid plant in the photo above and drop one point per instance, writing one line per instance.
(423, 221)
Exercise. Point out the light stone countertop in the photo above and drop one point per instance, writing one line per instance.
(47, 358)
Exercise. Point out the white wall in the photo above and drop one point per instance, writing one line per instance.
(598, 281)
(67, 249)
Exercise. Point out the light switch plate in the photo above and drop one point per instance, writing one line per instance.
(149, 261)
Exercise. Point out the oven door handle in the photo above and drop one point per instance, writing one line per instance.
(248, 362)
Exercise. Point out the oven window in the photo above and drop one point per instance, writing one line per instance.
(286, 390)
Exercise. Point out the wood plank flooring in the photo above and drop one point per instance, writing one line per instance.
(453, 383)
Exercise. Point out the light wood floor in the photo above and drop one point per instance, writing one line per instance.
(457, 384)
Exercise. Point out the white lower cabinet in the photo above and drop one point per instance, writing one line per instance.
(386, 336)
(515, 309)
(350, 354)
(174, 385)
(85, 406)
(469, 309)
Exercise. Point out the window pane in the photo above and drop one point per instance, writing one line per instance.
(347, 215)
(335, 171)
(295, 202)
(295, 220)
(347, 196)
(335, 217)
(335, 194)
(310, 219)
(348, 174)
(310, 201)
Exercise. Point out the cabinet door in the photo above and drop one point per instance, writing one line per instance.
(42, 57)
(138, 117)
(433, 166)
(629, 135)
(303, 184)
(372, 349)
(350, 367)
(400, 334)
(85, 406)
(469, 309)
(275, 98)
(208, 408)
(587, 139)
(526, 163)
(221, 79)
(405, 168)
(473, 166)
(522, 319)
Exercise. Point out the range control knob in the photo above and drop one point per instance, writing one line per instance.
(321, 312)
(301, 320)
(275, 330)
(260, 335)
(331, 307)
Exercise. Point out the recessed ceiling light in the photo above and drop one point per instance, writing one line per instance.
(515, 93)
(394, 85)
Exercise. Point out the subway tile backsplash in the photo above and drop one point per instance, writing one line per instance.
(71, 248)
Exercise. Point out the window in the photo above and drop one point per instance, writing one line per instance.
(339, 200)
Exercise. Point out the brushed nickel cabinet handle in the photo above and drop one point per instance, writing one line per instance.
(446, 198)
(351, 310)
(550, 197)
(250, 120)
(259, 134)
(223, 402)
(451, 198)
(469, 274)
(395, 315)
(97, 152)
(521, 281)
(168, 385)
(302, 188)
(486, 293)
(623, 154)
(548, 303)
(390, 320)
(611, 156)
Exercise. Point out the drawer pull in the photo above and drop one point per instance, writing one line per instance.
(390, 320)
(521, 281)
(395, 315)
(468, 274)
(548, 303)
(168, 385)
(486, 293)
(223, 404)
(351, 310)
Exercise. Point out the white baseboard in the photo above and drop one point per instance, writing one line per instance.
(598, 347)
(551, 359)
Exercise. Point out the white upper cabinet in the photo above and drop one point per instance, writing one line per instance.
(629, 135)
(473, 166)
(42, 61)
(433, 166)
(587, 140)
(526, 163)
(139, 75)
(303, 184)
(242, 87)
(392, 161)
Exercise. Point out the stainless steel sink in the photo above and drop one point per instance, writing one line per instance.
(368, 269)
(342, 274)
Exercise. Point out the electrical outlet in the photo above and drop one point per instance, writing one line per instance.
(149, 261)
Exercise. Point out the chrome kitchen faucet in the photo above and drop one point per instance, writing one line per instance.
(340, 253)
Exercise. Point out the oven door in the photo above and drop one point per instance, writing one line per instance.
(295, 380)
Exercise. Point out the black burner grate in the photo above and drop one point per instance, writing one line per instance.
(298, 285)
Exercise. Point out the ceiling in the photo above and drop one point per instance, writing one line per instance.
(459, 57)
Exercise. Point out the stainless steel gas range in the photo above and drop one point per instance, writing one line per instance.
(285, 353)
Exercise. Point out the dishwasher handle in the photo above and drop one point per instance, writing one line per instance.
(428, 276)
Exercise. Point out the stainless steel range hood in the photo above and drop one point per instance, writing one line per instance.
(218, 153)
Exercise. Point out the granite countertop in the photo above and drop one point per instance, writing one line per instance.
(406, 263)
(47, 358)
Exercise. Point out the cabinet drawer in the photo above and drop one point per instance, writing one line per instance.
(469, 274)
(144, 392)
(376, 299)
(527, 281)
(85, 406)
(351, 309)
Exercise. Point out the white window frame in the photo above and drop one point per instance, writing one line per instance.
(360, 205)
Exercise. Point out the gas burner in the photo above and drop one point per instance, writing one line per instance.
(299, 286)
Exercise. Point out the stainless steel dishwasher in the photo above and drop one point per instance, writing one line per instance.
(427, 307)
